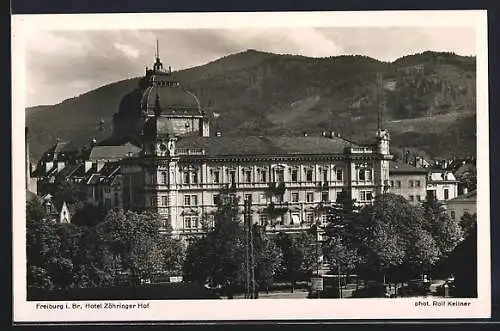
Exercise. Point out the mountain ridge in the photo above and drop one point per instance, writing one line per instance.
(262, 93)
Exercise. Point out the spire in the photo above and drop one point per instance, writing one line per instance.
(157, 49)
(158, 66)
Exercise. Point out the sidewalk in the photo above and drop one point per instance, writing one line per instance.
(297, 294)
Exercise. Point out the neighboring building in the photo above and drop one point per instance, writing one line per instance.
(51, 164)
(105, 187)
(103, 154)
(442, 184)
(408, 181)
(181, 169)
(466, 203)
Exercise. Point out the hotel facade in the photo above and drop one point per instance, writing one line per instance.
(181, 168)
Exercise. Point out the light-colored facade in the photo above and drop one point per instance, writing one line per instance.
(408, 181)
(459, 206)
(64, 215)
(442, 184)
(180, 173)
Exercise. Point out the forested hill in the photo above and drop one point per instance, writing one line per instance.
(428, 100)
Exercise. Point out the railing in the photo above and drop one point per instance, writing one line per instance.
(361, 150)
(190, 151)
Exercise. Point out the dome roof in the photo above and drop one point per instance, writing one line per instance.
(173, 99)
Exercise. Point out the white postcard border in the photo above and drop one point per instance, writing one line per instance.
(277, 309)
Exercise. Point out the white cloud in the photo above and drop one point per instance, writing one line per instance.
(55, 59)
(128, 50)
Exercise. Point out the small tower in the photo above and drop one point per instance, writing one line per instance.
(383, 142)
(64, 216)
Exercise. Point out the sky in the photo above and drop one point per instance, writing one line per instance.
(66, 63)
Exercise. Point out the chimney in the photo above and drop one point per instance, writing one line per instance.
(304, 133)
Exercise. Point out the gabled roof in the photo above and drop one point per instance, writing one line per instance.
(113, 152)
(70, 170)
(442, 176)
(106, 175)
(260, 145)
(400, 167)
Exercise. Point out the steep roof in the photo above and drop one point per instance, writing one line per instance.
(260, 145)
(400, 167)
(113, 152)
(71, 170)
(442, 176)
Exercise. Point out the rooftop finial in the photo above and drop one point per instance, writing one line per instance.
(157, 49)
(158, 66)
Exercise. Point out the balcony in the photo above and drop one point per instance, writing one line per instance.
(276, 188)
(287, 227)
(190, 151)
(360, 150)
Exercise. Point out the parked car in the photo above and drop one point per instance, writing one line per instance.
(416, 287)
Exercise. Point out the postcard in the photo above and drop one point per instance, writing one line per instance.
(284, 166)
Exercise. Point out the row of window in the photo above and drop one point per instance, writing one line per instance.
(191, 177)
(193, 222)
(415, 197)
(192, 199)
(411, 183)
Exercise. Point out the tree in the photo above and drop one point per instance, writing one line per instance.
(88, 215)
(267, 258)
(298, 255)
(445, 231)
(468, 223)
(467, 176)
(463, 262)
(345, 234)
(42, 249)
(74, 194)
(219, 257)
(398, 243)
(35, 211)
(135, 240)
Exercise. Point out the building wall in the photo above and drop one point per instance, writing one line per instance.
(185, 125)
(439, 190)
(411, 186)
(183, 192)
(457, 208)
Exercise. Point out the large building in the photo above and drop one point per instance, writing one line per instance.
(181, 168)
(408, 181)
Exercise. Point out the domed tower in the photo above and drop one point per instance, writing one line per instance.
(161, 99)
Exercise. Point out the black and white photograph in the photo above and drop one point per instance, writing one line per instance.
(335, 163)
